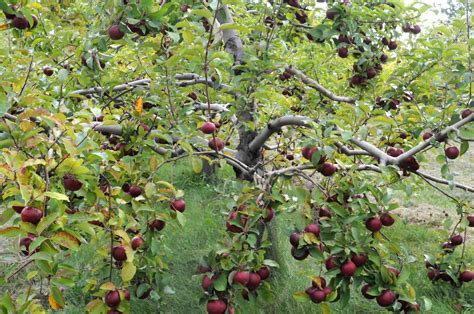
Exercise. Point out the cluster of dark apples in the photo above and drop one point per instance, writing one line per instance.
(318, 292)
(19, 21)
(436, 271)
(327, 169)
(249, 280)
(215, 143)
(301, 252)
(369, 68)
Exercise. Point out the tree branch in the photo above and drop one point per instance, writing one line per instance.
(232, 42)
(312, 83)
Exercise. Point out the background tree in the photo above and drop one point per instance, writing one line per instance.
(341, 103)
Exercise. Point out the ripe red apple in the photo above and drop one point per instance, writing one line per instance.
(409, 164)
(115, 33)
(135, 191)
(26, 243)
(457, 239)
(71, 183)
(327, 169)
(327, 291)
(118, 253)
(232, 217)
(330, 14)
(392, 45)
(394, 152)
(216, 144)
(331, 262)
(295, 239)
(269, 214)
(373, 224)
(112, 298)
(241, 277)
(466, 276)
(113, 311)
(48, 71)
(433, 274)
(216, 306)
(471, 221)
(386, 298)
(20, 22)
(126, 294)
(178, 204)
(343, 52)
(365, 292)
(157, 225)
(348, 268)
(415, 29)
(427, 136)
(264, 272)
(452, 152)
(325, 212)
(313, 228)
(207, 282)
(137, 242)
(371, 73)
(299, 254)
(384, 58)
(318, 296)
(208, 128)
(466, 113)
(126, 187)
(387, 219)
(385, 41)
(31, 215)
(359, 260)
(254, 281)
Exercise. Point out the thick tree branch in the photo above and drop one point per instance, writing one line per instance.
(274, 126)
(232, 42)
(118, 88)
(312, 83)
(445, 182)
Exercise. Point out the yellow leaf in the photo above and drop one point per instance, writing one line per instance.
(317, 281)
(411, 292)
(123, 235)
(66, 239)
(139, 104)
(4, 26)
(128, 271)
(310, 238)
(52, 302)
(108, 286)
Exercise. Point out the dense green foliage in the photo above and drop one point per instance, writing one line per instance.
(318, 113)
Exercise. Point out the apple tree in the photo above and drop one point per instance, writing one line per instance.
(322, 107)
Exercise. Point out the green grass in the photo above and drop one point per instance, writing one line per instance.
(205, 227)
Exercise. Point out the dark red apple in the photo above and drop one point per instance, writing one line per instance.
(48, 71)
(373, 224)
(216, 144)
(313, 228)
(216, 306)
(115, 33)
(415, 29)
(135, 191)
(466, 113)
(466, 276)
(26, 243)
(327, 291)
(113, 311)
(348, 268)
(331, 262)
(269, 214)
(157, 225)
(387, 219)
(452, 152)
(18, 208)
(327, 169)
(371, 73)
(359, 260)
(343, 52)
(126, 294)
(208, 128)
(457, 239)
(471, 221)
(319, 286)
(386, 298)
(112, 298)
(392, 45)
(118, 253)
(126, 187)
(31, 215)
(20, 22)
(295, 239)
(318, 296)
(427, 136)
(233, 228)
(264, 272)
(207, 282)
(433, 274)
(330, 14)
(254, 281)
(137, 242)
(178, 204)
(71, 183)
(242, 277)
(299, 254)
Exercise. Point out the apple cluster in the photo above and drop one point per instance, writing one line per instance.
(18, 20)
